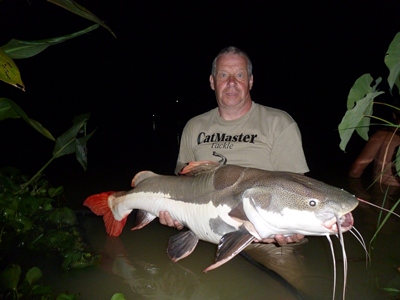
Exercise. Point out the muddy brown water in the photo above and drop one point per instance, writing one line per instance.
(136, 264)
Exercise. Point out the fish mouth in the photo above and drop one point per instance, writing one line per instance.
(345, 222)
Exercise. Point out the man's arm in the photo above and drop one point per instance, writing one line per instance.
(367, 155)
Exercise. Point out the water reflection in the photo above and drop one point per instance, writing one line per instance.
(140, 261)
(150, 280)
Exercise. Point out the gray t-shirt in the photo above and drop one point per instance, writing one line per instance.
(264, 138)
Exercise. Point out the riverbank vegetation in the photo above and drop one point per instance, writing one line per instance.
(366, 94)
(34, 219)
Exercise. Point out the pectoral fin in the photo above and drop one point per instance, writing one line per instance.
(181, 245)
(238, 213)
(230, 245)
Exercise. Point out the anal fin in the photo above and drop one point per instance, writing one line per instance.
(181, 245)
(142, 219)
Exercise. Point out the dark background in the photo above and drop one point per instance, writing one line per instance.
(306, 56)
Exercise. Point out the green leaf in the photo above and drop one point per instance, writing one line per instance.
(10, 207)
(45, 291)
(47, 206)
(359, 105)
(355, 119)
(80, 150)
(16, 225)
(9, 109)
(9, 184)
(81, 154)
(6, 111)
(33, 275)
(360, 88)
(29, 205)
(56, 191)
(362, 127)
(65, 144)
(9, 72)
(63, 296)
(26, 223)
(9, 278)
(78, 9)
(391, 290)
(118, 296)
(63, 215)
(392, 61)
(18, 49)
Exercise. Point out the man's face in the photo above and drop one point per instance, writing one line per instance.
(231, 83)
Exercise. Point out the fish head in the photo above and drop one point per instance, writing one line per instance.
(288, 203)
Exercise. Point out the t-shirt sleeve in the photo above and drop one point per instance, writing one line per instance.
(287, 153)
(186, 154)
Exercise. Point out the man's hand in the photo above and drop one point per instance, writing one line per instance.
(165, 219)
(282, 240)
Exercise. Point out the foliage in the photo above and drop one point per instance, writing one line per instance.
(392, 61)
(9, 109)
(118, 296)
(360, 102)
(27, 215)
(362, 95)
(78, 9)
(11, 286)
(359, 109)
(69, 143)
(31, 217)
(17, 49)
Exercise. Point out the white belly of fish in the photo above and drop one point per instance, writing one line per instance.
(194, 216)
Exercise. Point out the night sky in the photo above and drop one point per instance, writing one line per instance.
(306, 56)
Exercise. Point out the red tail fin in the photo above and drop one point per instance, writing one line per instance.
(98, 204)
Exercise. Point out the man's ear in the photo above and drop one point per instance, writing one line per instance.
(212, 82)
(251, 82)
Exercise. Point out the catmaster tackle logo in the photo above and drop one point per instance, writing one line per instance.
(223, 137)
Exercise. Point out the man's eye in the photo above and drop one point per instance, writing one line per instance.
(240, 75)
(223, 75)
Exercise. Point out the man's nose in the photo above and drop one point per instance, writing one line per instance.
(231, 81)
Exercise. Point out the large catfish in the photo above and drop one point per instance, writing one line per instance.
(228, 205)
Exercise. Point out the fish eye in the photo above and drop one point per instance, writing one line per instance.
(312, 203)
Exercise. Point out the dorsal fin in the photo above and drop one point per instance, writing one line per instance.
(199, 167)
(142, 176)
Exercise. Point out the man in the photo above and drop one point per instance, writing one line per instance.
(240, 131)
(381, 148)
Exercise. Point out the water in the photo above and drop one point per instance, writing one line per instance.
(136, 264)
